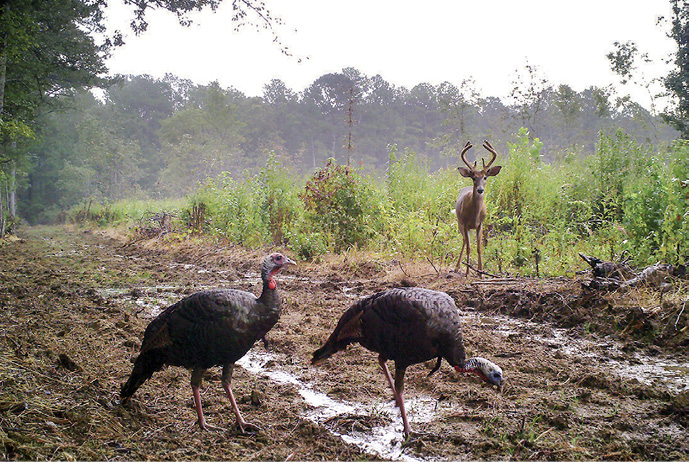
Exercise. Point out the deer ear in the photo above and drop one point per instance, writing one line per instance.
(465, 172)
(493, 170)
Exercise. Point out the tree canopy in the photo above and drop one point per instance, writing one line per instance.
(677, 81)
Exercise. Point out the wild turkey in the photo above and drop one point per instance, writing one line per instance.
(206, 329)
(407, 325)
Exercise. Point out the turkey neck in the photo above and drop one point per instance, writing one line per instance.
(268, 303)
(270, 297)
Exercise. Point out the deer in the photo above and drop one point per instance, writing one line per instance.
(471, 206)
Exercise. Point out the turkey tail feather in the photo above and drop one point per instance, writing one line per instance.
(334, 344)
(322, 354)
(144, 367)
(348, 331)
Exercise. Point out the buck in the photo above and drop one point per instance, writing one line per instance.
(471, 206)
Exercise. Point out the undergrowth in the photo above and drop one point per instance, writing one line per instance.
(627, 200)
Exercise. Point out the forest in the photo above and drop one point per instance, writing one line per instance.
(161, 138)
(353, 161)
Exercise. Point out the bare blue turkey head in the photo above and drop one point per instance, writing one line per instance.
(487, 371)
(272, 265)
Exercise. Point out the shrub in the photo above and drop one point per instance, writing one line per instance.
(281, 201)
(419, 216)
(656, 208)
(341, 203)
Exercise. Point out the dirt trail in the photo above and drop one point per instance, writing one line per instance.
(584, 379)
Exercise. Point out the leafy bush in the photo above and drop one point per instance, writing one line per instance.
(656, 208)
(343, 204)
(231, 210)
(420, 218)
(281, 202)
(621, 199)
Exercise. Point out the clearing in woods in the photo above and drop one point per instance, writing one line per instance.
(589, 374)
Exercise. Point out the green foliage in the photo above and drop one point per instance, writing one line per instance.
(657, 208)
(540, 216)
(100, 214)
(281, 202)
(231, 210)
(677, 80)
(420, 208)
(618, 159)
(342, 203)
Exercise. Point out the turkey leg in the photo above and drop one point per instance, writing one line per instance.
(226, 379)
(399, 389)
(388, 377)
(196, 379)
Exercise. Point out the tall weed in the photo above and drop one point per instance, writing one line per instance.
(620, 200)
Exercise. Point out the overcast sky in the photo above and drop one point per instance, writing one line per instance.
(406, 42)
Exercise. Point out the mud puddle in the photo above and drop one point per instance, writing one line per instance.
(606, 354)
(377, 428)
(383, 440)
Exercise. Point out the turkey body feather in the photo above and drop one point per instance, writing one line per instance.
(206, 329)
(406, 325)
(409, 326)
(209, 328)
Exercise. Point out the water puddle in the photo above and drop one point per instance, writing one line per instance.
(383, 440)
(147, 300)
(377, 428)
(605, 354)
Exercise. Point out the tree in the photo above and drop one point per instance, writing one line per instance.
(48, 51)
(330, 95)
(201, 142)
(246, 13)
(460, 106)
(137, 105)
(677, 81)
(530, 97)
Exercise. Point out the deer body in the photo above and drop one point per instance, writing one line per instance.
(471, 207)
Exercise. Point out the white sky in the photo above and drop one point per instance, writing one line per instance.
(406, 42)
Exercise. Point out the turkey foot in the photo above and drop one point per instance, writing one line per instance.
(247, 427)
(208, 427)
(414, 438)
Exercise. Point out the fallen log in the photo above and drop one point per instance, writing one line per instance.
(607, 269)
(619, 276)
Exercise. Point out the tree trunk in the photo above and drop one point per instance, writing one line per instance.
(3, 77)
(2, 215)
(3, 63)
(13, 194)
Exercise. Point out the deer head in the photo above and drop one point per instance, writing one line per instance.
(479, 177)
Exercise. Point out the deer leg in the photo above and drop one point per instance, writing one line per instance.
(459, 261)
(478, 248)
(466, 239)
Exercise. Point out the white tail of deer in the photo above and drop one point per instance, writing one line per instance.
(471, 207)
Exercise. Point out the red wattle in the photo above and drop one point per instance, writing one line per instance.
(272, 285)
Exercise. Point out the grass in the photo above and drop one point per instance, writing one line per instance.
(540, 216)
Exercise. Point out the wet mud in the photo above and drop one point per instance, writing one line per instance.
(588, 375)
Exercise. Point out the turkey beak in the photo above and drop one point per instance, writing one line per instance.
(289, 261)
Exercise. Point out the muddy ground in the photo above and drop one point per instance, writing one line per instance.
(590, 374)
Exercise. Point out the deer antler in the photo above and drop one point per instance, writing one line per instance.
(494, 153)
(464, 151)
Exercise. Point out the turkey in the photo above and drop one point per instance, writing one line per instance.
(409, 326)
(206, 329)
